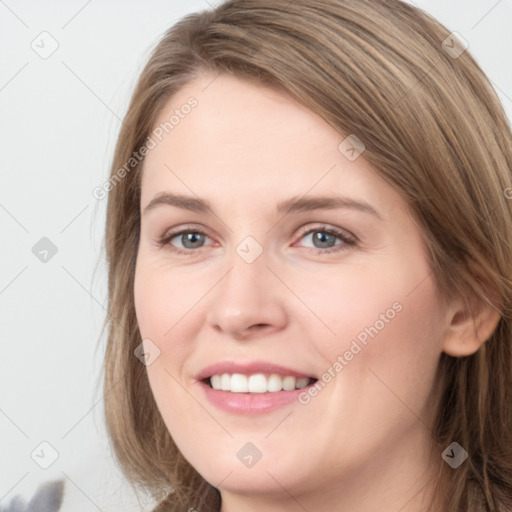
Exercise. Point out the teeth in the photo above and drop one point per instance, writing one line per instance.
(301, 382)
(274, 383)
(239, 383)
(216, 382)
(257, 383)
(289, 383)
(225, 382)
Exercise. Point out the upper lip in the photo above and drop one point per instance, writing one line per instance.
(248, 368)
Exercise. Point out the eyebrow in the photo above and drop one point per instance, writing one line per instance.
(291, 205)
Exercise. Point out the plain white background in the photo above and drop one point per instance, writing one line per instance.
(59, 119)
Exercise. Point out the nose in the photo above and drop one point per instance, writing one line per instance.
(248, 301)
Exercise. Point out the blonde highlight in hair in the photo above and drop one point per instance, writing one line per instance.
(433, 128)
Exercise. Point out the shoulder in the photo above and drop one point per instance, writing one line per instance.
(47, 498)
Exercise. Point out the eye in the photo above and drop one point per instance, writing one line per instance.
(322, 237)
(189, 238)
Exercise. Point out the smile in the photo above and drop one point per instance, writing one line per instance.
(252, 387)
(257, 383)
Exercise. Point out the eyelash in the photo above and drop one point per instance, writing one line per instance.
(348, 240)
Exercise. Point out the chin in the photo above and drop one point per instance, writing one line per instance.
(237, 466)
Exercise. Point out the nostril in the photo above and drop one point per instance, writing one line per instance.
(258, 326)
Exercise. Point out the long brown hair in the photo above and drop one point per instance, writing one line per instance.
(433, 127)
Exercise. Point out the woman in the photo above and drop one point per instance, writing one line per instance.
(309, 241)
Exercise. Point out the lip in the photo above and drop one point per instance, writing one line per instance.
(249, 403)
(249, 368)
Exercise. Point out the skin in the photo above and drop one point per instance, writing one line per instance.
(361, 444)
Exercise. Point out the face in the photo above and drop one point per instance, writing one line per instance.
(302, 292)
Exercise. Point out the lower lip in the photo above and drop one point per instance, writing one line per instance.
(247, 403)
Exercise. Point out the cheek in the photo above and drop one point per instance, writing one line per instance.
(362, 301)
(382, 359)
(163, 305)
(163, 298)
(385, 316)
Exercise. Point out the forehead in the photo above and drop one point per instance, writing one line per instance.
(243, 139)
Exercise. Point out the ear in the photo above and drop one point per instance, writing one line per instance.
(469, 327)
